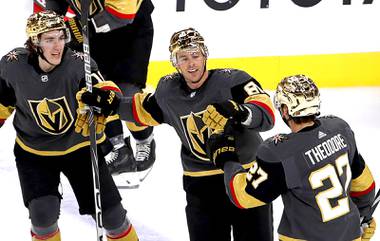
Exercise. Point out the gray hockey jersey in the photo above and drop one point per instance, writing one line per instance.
(182, 108)
(45, 103)
(322, 179)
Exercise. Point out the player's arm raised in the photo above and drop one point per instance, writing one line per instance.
(141, 109)
(250, 107)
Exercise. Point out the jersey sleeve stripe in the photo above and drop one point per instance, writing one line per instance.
(114, 12)
(125, 10)
(266, 107)
(140, 115)
(362, 184)
(238, 194)
(5, 112)
(362, 193)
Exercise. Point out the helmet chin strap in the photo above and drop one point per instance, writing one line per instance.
(41, 54)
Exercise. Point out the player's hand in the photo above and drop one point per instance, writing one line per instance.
(221, 148)
(368, 230)
(106, 101)
(82, 123)
(217, 115)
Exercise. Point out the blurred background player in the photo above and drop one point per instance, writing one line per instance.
(121, 37)
(40, 83)
(222, 97)
(325, 185)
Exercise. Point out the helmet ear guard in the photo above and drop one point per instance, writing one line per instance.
(186, 39)
(43, 22)
(300, 94)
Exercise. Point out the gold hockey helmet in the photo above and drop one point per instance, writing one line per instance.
(43, 22)
(186, 39)
(300, 94)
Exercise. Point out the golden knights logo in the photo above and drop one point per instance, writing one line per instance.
(53, 116)
(196, 133)
(95, 7)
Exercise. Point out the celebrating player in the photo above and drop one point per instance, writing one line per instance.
(121, 37)
(323, 180)
(40, 82)
(195, 101)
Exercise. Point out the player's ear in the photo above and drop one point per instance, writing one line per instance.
(284, 111)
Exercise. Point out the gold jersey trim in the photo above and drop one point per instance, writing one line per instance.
(285, 238)
(140, 115)
(57, 153)
(5, 111)
(211, 172)
(363, 182)
(240, 196)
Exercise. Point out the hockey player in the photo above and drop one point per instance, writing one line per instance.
(40, 83)
(323, 180)
(121, 37)
(181, 100)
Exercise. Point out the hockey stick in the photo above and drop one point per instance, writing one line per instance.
(85, 8)
(368, 218)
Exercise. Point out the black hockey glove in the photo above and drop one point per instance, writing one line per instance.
(105, 100)
(217, 115)
(221, 148)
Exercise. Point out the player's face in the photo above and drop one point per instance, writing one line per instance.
(191, 64)
(52, 45)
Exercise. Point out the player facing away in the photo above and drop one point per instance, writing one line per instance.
(325, 185)
(40, 83)
(121, 37)
(182, 100)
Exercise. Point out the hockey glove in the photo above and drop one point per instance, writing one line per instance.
(82, 123)
(105, 100)
(368, 230)
(221, 148)
(217, 115)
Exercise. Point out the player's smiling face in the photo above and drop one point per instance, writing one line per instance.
(191, 63)
(52, 44)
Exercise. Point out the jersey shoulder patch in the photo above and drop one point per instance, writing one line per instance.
(169, 77)
(77, 55)
(271, 147)
(277, 139)
(15, 55)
